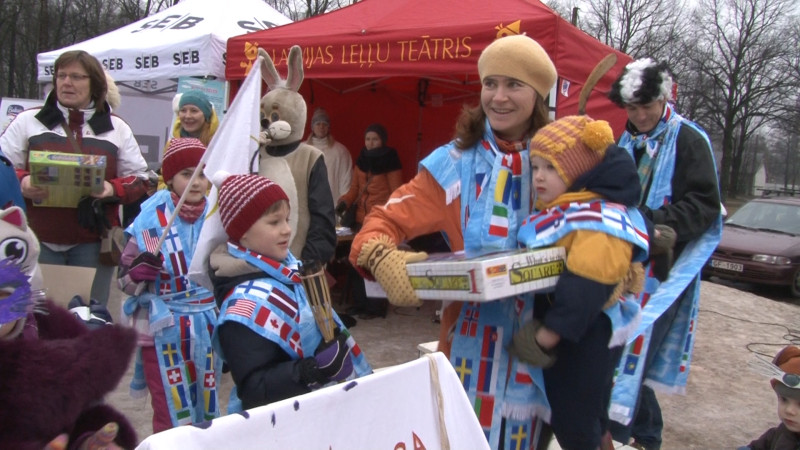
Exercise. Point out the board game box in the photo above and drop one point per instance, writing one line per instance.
(486, 277)
(68, 176)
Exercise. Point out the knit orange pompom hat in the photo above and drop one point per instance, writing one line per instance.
(573, 144)
(788, 360)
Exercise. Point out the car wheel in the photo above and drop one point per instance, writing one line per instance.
(794, 289)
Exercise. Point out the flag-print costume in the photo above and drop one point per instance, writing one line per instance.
(494, 190)
(549, 226)
(182, 316)
(670, 368)
(273, 303)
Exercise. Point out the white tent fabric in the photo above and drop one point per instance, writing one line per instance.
(187, 39)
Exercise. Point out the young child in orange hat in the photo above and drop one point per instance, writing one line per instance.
(787, 388)
(584, 187)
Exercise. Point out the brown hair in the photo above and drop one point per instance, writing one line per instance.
(277, 206)
(205, 133)
(97, 77)
(470, 124)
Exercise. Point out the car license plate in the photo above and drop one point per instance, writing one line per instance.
(725, 265)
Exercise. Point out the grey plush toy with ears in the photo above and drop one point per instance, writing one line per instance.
(296, 166)
(283, 109)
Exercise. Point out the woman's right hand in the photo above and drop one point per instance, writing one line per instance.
(32, 192)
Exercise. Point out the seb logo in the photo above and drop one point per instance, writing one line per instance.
(185, 22)
(172, 22)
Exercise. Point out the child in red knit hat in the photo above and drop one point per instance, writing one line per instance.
(266, 331)
(787, 387)
(173, 315)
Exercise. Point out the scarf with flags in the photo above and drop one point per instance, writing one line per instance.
(276, 308)
(494, 186)
(550, 225)
(669, 370)
(182, 317)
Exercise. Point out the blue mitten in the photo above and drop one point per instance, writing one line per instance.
(333, 358)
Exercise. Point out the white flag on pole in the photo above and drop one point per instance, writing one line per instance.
(231, 150)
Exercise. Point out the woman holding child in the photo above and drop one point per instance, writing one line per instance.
(460, 190)
(477, 190)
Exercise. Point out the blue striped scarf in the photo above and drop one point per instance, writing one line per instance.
(670, 368)
(492, 185)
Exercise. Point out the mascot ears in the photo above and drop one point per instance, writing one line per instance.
(14, 216)
(295, 76)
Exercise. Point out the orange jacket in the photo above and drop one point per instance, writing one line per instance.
(377, 191)
(416, 208)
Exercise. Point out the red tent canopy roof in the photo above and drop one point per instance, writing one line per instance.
(380, 38)
(421, 51)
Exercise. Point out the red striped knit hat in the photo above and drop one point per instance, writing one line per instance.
(181, 153)
(573, 144)
(243, 199)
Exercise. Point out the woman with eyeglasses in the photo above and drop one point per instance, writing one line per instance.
(76, 118)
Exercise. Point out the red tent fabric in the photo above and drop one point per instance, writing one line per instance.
(412, 65)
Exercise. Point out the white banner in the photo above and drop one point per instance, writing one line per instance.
(231, 150)
(397, 408)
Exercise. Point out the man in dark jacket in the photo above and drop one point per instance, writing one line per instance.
(679, 189)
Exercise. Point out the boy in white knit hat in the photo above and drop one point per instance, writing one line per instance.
(266, 332)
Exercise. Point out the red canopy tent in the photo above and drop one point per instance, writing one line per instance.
(412, 65)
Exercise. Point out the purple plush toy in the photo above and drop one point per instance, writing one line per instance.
(54, 370)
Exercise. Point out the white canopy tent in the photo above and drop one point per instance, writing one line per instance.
(187, 39)
(147, 57)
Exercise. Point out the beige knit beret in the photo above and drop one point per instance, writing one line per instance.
(519, 57)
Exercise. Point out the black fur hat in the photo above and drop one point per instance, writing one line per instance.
(642, 81)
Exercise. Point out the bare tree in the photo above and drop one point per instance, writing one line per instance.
(741, 53)
(637, 27)
(28, 28)
(303, 9)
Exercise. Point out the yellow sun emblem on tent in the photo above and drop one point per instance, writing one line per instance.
(510, 30)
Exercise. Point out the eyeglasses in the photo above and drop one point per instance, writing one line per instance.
(71, 76)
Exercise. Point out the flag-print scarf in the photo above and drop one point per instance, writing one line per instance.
(670, 368)
(493, 183)
(276, 308)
